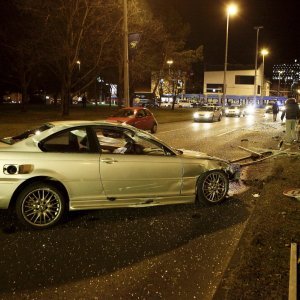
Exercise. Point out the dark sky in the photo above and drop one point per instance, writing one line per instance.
(281, 32)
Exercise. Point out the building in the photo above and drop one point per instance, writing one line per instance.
(287, 78)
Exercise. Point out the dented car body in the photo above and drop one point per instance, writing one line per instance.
(83, 165)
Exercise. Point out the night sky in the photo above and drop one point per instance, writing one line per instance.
(280, 34)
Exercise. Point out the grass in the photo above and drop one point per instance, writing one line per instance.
(14, 121)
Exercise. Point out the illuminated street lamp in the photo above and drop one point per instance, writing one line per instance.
(231, 10)
(170, 62)
(263, 52)
(78, 63)
(257, 28)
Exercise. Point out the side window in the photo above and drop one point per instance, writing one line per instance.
(71, 141)
(140, 114)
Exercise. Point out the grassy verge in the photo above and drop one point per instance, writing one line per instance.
(13, 120)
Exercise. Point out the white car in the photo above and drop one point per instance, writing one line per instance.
(208, 114)
(79, 165)
(234, 111)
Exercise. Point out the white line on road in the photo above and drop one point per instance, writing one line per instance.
(227, 132)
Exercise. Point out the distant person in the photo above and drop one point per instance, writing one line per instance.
(275, 111)
(84, 101)
(292, 115)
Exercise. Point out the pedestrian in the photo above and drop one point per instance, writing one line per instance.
(292, 115)
(275, 111)
(83, 99)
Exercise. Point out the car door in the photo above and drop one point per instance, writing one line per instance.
(141, 120)
(149, 173)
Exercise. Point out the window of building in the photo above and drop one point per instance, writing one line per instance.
(244, 79)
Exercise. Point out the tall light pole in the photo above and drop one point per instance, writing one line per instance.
(125, 55)
(257, 28)
(263, 52)
(231, 10)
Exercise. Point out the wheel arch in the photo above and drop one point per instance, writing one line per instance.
(36, 179)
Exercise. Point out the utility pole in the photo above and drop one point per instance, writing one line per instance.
(257, 28)
(126, 59)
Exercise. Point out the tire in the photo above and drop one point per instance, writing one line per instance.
(154, 128)
(40, 205)
(219, 119)
(212, 187)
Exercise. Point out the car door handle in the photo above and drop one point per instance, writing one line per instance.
(108, 160)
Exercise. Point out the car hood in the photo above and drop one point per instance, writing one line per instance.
(197, 154)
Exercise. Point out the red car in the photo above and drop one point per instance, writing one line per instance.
(138, 117)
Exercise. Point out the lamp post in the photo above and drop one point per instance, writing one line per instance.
(257, 28)
(263, 52)
(231, 10)
(169, 62)
(78, 63)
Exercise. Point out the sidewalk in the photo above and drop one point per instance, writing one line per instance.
(259, 268)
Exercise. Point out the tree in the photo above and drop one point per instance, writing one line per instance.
(20, 44)
(77, 35)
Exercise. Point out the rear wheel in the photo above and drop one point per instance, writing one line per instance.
(40, 205)
(212, 187)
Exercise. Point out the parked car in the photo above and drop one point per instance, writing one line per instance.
(139, 117)
(208, 113)
(184, 103)
(80, 165)
(234, 111)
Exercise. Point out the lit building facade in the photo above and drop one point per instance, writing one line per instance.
(286, 77)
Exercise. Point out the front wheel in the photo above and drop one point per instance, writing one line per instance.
(40, 205)
(212, 187)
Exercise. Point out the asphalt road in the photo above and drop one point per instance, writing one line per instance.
(174, 252)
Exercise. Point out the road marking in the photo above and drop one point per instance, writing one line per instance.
(227, 132)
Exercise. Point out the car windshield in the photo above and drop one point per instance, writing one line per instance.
(20, 137)
(124, 113)
(206, 108)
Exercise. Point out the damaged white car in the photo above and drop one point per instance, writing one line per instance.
(80, 165)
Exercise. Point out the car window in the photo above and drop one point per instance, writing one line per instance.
(70, 141)
(140, 113)
(120, 141)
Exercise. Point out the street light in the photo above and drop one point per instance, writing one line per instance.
(257, 28)
(231, 10)
(170, 62)
(78, 63)
(263, 53)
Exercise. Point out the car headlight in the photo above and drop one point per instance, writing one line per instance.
(196, 115)
(226, 111)
(238, 110)
(207, 115)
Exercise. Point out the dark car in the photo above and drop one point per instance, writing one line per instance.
(138, 117)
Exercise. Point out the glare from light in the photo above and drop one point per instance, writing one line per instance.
(264, 52)
(232, 9)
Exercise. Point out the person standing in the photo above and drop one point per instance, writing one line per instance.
(275, 111)
(83, 99)
(291, 114)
